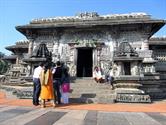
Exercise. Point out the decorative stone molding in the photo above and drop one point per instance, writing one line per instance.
(22, 42)
(158, 38)
(89, 16)
(86, 43)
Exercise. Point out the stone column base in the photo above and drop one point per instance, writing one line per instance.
(137, 98)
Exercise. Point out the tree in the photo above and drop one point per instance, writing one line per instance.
(3, 64)
(1, 55)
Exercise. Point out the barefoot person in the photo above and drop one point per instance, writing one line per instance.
(46, 80)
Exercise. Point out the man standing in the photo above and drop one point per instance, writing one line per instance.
(57, 75)
(36, 84)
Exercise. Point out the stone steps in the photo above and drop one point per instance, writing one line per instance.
(90, 86)
(88, 91)
(82, 91)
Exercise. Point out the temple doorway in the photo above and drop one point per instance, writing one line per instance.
(127, 68)
(84, 62)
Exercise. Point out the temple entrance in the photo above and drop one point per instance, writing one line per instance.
(127, 68)
(84, 62)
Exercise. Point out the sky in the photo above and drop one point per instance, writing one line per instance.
(21, 12)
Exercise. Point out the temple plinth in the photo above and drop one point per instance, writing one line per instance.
(127, 83)
(18, 69)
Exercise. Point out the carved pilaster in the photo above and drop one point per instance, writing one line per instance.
(31, 37)
(145, 45)
(30, 47)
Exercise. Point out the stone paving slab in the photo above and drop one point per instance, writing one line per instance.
(73, 117)
(25, 118)
(53, 116)
(91, 118)
(139, 119)
(10, 113)
(22, 112)
(107, 118)
(160, 118)
(47, 119)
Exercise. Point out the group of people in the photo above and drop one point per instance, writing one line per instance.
(99, 77)
(51, 83)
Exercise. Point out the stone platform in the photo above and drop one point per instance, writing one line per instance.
(127, 89)
(82, 91)
(22, 112)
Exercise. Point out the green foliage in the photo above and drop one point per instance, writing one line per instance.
(1, 55)
(3, 64)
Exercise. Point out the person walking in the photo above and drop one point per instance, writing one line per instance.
(57, 76)
(36, 84)
(46, 81)
(65, 86)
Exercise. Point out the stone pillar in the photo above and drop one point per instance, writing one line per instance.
(17, 60)
(99, 49)
(30, 47)
(30, 50)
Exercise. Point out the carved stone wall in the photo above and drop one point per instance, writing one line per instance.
(58, 43)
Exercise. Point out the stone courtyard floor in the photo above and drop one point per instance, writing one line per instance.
(22, 112)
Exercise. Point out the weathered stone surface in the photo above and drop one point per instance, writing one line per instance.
(105, 118)
(133, 98)
(47, 119)
(54, 116)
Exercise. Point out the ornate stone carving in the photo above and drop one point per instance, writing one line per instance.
(88, 15)
(125, 49)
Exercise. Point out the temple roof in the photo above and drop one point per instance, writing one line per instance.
(90, 17)
(21, 46)
(157, 41)
(11, 57)
(91, 20)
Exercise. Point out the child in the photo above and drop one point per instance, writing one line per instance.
(65, 86)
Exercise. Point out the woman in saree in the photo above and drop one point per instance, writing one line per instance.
(46, 81)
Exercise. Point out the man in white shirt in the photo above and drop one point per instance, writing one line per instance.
(97, 75)
(36, 84)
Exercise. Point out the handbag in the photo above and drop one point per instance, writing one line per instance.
(65, 87)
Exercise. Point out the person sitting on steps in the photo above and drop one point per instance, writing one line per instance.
(97, 75)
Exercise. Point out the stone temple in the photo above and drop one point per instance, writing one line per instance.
(119, 42)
